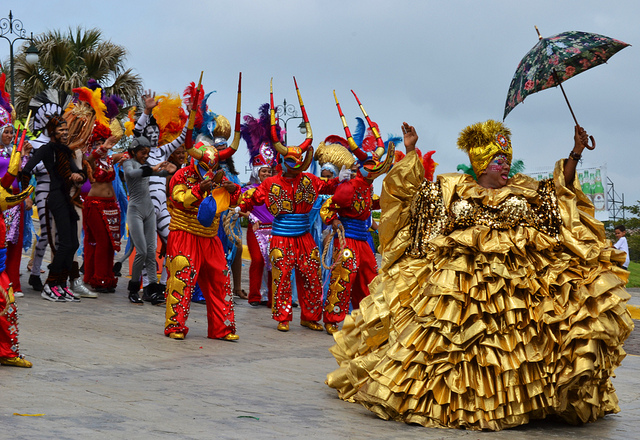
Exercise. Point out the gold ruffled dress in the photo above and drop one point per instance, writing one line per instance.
(492, 306)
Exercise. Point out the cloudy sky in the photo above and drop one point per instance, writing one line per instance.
(439, 65)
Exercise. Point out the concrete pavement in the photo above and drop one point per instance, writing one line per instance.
(103, 370)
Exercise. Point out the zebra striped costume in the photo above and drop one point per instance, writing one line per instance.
(41, 193)
(158, 185)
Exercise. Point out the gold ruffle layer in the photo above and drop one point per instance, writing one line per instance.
(491, 327)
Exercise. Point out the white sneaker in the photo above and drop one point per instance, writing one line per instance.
(52, 293)
(18, 294)
(79, 289)
(68, 294)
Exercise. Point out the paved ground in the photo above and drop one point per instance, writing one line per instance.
(103, 370)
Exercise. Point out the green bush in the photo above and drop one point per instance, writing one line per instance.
(634, 277)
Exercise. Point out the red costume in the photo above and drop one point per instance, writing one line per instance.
(352, 204)
(195, 254)
(194, 251)
(101, 224)
(290, 200)
(9, 348)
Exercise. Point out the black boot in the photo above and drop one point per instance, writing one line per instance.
(157, 294)
(117, 269)
(35, 283)
(133, 288)
(146, 293)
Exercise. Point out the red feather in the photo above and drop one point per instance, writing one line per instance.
(335, 139)
(6, 97)
(429, 165)
(190, 94)
(398, 156)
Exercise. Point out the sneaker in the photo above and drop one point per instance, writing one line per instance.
(68, 294)
(80, 290)
(52, 293)
(18, 294)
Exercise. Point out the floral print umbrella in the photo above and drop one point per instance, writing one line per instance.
(555, 59)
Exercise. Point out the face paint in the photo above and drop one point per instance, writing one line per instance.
(498, 163)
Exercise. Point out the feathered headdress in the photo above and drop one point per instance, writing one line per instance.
(113, 103)
(170, 117)
(256, 133)
(5, 98)
(190, 95)
(94, 99)
(131, 123)
(484, 140)
(6, 111)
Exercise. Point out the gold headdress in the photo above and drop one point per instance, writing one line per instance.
(334, 153)
(484, 140)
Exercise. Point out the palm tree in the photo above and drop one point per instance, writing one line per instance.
(69, 60)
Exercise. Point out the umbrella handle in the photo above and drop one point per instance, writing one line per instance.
(593, 143)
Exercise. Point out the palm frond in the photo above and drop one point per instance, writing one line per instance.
(68, 59)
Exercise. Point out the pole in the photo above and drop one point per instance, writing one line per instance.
(283, 111)
(13, 90)
(14, 27)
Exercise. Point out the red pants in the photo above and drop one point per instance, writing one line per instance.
(14, 255)
(8, 322)
(191, 258)
(302, 254)
(349, 279)
(256, 269)
(98, 244)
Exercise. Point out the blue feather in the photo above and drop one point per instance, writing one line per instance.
(121, 197)
(397, 140)
(358, 134)
(208, 119)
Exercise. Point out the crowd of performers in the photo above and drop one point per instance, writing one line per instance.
(176, 185)
(498, 300)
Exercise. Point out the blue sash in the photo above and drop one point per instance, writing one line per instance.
(3, 259)
(356, 229)
(290, 225)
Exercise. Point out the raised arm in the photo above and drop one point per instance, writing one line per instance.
(150, 101)
(580, 142)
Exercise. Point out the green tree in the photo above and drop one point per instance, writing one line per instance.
(68, 60)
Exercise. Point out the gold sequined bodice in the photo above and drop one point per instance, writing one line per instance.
(431, 216)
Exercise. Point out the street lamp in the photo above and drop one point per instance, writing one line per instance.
(15, 27)
(287, 112)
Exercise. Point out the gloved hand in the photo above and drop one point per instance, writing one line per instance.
(344, 174)
(236, 213)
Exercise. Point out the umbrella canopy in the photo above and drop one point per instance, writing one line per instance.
(555, 59)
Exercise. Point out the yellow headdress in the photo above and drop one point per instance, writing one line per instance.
(334, 153)
(223, 127)
(170, 117)
(484, 140)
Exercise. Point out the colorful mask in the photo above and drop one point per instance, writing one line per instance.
(377, 162)
(205, 152)
(292, 159)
